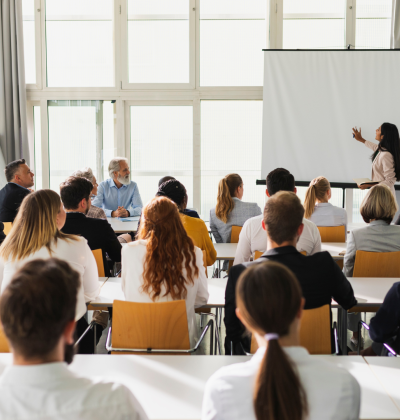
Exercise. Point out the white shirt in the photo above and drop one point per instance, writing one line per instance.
(52, 392)
(133, 256)
(325, 214)
(254, 238)
(332, 392)
(80, 258)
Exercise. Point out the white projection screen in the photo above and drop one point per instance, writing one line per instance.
(312, 99)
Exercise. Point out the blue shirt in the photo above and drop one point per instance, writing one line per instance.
(109, 198)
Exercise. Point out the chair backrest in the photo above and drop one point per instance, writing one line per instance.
(235, 234)
(332, 233)
(7, 227)
(205, 261)
(98, 256)
(161, 325)
(4, 347)
(377, 264)
(315, 331)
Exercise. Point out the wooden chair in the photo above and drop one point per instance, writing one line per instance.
(152, 328)
(235, 232)
(332, 233)
(7, 227)
(377, 264)
(315, 331)
(98, 256)
(4, 347)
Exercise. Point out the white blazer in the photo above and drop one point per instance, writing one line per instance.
(332, 392)
(133, 256)
(80, 258)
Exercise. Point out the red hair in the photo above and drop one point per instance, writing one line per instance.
(168, 249)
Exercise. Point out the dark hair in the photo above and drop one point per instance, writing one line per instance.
(226, 190)
(165, 179)
(37, 305)
(283, 214)
(174, 190)
(280, 179)
(73, 190)
(268, 296)
(391, 143)
(12, 168)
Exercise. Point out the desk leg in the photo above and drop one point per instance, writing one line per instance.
(219, 269)
(343, 332)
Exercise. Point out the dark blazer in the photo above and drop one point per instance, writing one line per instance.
(11, 197)
(98, 233)
(319, 276)
(2, 235)
(386, 324)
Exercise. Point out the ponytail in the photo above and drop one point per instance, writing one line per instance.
(268, 296)
(278, 394)
(226, 190)
(316, 191)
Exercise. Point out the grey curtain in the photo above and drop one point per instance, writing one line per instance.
(395, 29)
(13, 123)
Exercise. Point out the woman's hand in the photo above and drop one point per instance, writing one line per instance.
(365, 186)
(357, 135)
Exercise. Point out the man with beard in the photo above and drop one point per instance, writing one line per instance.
(118, 195)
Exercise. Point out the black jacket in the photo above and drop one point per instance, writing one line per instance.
(98, 233)
(11, 197)
(385, 326)
(320, 279)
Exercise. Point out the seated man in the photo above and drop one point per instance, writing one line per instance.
(75, 195)
(320, 277)
(253, 238)
(41, 334)
(118, 196)
(19, 179)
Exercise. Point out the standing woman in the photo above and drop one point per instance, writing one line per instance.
(281, 381)
(317, 207)
(386, 156)
(230, 210)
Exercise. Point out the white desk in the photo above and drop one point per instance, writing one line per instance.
(111, 290)
(123, 227)
(177, 383)
(387, 371)
(334, 248)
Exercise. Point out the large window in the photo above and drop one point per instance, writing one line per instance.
(28, 17)
(230, 143)
(79, 39)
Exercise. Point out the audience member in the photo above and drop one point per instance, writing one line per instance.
(37, 314)
(164, 243)
(118, 195)
(320, 277)
(377, 209)
(253, 237)
(281, 381)
(36, 233)
(317, 206)
(230, 210)
(75, 195)
(94, 212)
(195, 228)
(19, 179)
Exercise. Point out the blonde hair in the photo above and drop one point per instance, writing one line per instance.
(34, 227)
(316, 191)
(378, 204)
(226, 190)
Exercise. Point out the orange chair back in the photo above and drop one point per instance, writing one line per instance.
(235, 234)
(161, 325)
(7, 227)
(332, 233)
(98, 256)
(377, 264)
(4, 347)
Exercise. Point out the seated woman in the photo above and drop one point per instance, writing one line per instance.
(317, 207)
(281, 381)
(163, 264)
(195, 228)
(377, 209)
(36, 233)
(230, 210)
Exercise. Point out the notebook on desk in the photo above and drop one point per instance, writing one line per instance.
(363, 181)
